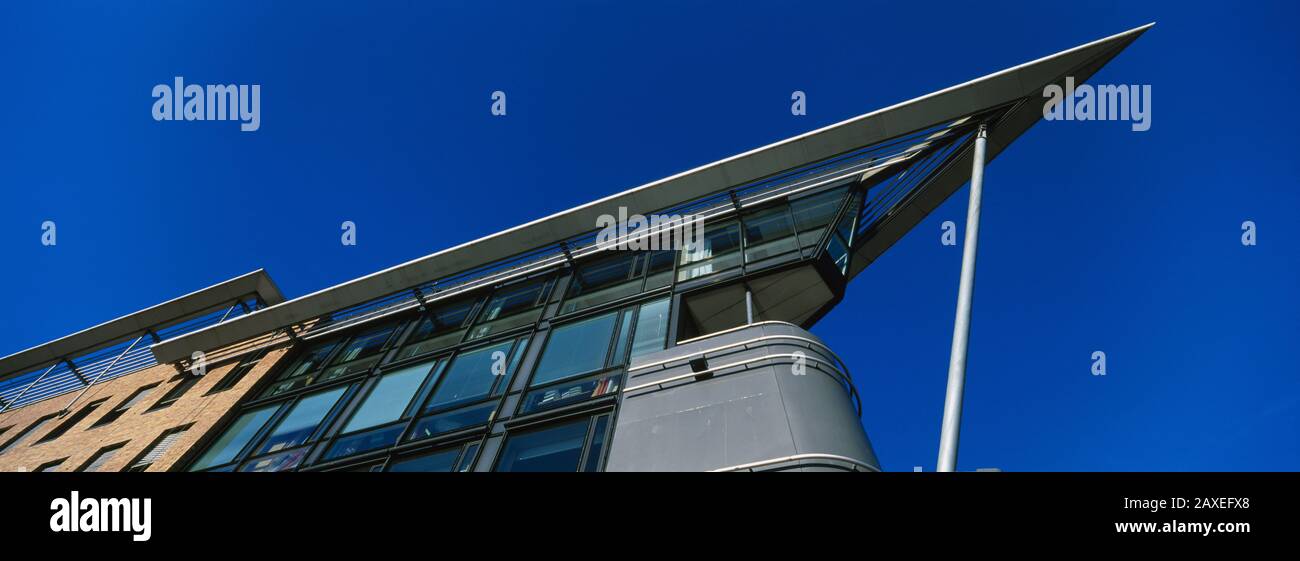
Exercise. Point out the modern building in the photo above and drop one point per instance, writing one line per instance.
(541, 347)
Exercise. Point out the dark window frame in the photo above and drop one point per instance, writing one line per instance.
(35, 425)
(184, 382)
(46, 467)
(241, 369)
(99, 453)
(72, 421)
(592, 420)
(131, 465)
(122, 407)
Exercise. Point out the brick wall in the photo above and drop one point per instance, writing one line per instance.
(138, 428)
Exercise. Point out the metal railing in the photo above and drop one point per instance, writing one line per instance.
(80, 371)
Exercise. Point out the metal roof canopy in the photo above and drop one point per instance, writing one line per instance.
(155, 317)
(999, 88)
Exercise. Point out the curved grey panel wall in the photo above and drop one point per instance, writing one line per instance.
(750, 410)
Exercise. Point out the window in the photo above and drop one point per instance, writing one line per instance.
(841, 239)
(718, 251)
(439, 329)
(580, 358)
(237, 373)
(389, 400)
(564, 393)
(236, 437)
(72, 421)
(451, 421)
(512, 306)
(101, 458)
(18, 438)
(444, 460)
(186, 382)
(617, 276)
(651, 333)
(472, 375)
(157, 449)
(301, 421)
(360, 353)
(573, 446)
(299, 373)
(50, 466)
(768, 233)
(813, 213)
(126, 404)
(576, 348)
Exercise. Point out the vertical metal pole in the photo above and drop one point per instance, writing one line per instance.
(951, 431)
(749, 307)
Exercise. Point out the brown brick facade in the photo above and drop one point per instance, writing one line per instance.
(138, 428)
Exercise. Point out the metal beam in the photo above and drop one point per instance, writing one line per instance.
(951, 430)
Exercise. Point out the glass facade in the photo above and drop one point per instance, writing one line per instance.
(522, 376)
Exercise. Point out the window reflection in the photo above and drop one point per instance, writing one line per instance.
(576, 348)
(768, 233)
(651, 328)
(557, 448)
(236, 437)
(439, 329)
(301, 421)
(512, 306)
(718, 251)
(471, 376)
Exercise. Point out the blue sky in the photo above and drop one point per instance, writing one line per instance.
(1093, 237)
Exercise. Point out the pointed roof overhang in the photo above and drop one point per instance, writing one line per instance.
(1003, 88)
(1079, 63)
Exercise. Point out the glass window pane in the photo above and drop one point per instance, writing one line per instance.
(575, 348)
(513, 367)
(768, 233)
(573, 391)
(661, 269)
(469, 376)
(812, 214)
(365, 441)
(511, 307)
(467, 459)
(236, 437)
(310, 360)
(597, 443)
(620, 343)
(300, 422)
(554, 449)
(514, 299)
(651, 328)
(389, 398)
(364, 344)
(717, 252)
(438, 461)
(284, 461)
(443, 423)
(606, 280)
(441, 328)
